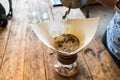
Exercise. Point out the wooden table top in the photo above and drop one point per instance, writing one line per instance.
(24, 57)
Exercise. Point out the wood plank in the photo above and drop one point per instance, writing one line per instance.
(4, 32)
(14, 55)
(99, 62)
(13, 61)
(3, 41)
(18, 45)
(34, 68)
(114, 70)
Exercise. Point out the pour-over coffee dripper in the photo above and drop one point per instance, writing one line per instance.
(83, 29)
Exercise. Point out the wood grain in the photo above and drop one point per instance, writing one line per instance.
(4, 32)
(13, 61)
(14, 55)
(17, 56)
(3, 41)
(99, 62)
(34, 68)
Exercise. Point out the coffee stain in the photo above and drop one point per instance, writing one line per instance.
(1, 38)
(103, 68)
(99, 53)
(90, 77)
(89, 50)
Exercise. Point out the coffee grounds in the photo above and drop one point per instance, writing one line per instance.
(66, 42)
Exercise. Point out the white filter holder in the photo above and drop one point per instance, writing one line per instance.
(84, 29)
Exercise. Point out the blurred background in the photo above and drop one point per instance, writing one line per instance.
(96, 10)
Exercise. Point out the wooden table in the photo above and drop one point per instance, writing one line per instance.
(24, 57)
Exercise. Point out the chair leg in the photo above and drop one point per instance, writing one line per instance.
(87, 11)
